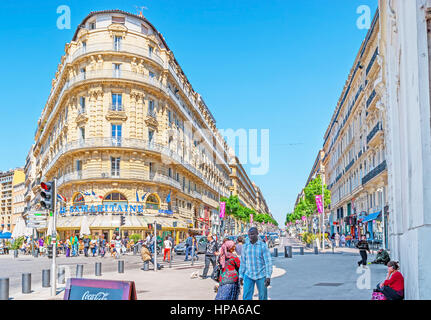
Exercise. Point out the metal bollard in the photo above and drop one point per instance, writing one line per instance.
(46, 278)
(289, 252)
(61, 275)
(135, 250)
(121, 266)
(79, 270)
(26, 283)
(98, 270)
(316, 250)
(15, 253)
(4, 288)
(301, 251)
(275, 252)
(170, 258)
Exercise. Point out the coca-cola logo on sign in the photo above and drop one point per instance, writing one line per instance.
(95, 296)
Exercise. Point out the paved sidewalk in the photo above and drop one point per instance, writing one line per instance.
(325, 276)
(161, 285)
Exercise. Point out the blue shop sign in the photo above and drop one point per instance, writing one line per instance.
(108, 208)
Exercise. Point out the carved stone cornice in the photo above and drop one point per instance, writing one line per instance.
(81, 119)
(116, 115)
(153, 40)
(117, 29)
(137, 95)
(83, 34)
(96, 92)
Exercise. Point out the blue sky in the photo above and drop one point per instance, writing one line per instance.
(273, 64)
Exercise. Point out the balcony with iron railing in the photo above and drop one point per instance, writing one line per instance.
(117, 107)
(349, 165)
(371, 98)
(374, 173)
(137, 77)
(378, 128)
(132, 144)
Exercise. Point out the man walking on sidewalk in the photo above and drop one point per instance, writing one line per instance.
(210, 255)
(363, 247)
(189, 244)
(256, 266)
(86, 245)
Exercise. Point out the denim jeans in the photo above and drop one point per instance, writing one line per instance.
(188, 251)
(249, 288)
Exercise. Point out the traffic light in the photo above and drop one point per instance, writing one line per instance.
(122, 221)
(47, 195)
(49, 251)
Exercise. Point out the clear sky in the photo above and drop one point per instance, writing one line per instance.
(273, 64)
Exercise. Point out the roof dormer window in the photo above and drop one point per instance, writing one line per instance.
(120, 20)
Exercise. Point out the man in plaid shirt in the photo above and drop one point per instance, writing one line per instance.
(256, 266)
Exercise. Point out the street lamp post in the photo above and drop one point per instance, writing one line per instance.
(54, 241)
(323, 212)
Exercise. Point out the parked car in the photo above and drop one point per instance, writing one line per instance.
(275, 239)
(202, 245)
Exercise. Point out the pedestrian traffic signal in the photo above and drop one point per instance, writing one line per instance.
(123, 220)
(47, 195)
(49, 248)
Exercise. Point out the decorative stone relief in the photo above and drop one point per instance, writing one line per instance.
(116, 115)
(118, 30)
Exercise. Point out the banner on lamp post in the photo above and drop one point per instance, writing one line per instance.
(319, 203)
(222, 209)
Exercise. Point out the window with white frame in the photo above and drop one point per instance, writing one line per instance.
(115, 166)
(117, 43)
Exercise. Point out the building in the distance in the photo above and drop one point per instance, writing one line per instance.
(249, 195)
(9, 180)
(18, 201)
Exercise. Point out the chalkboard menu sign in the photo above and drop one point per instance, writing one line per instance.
(92, 289)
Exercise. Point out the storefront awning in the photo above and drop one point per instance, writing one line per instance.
(371, 216)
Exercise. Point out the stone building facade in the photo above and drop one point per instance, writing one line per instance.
(124, 132)
(354, 147)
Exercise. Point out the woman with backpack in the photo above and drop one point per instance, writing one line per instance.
(229, 287)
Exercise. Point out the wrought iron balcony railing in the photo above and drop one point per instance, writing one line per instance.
(375, 172)
(373, 132)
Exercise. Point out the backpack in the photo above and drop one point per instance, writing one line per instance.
(189, 242)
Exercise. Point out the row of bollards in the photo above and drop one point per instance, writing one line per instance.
(46, 278)
(288, 252)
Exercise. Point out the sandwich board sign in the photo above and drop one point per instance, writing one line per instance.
(92, 289)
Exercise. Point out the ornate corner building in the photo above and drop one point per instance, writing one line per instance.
(124, 132)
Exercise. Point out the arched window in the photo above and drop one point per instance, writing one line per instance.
(153, 202)
(115, 198)
(78, 200)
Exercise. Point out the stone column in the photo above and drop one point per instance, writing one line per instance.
(404, 41)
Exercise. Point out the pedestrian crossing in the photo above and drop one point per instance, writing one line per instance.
(179, 263)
